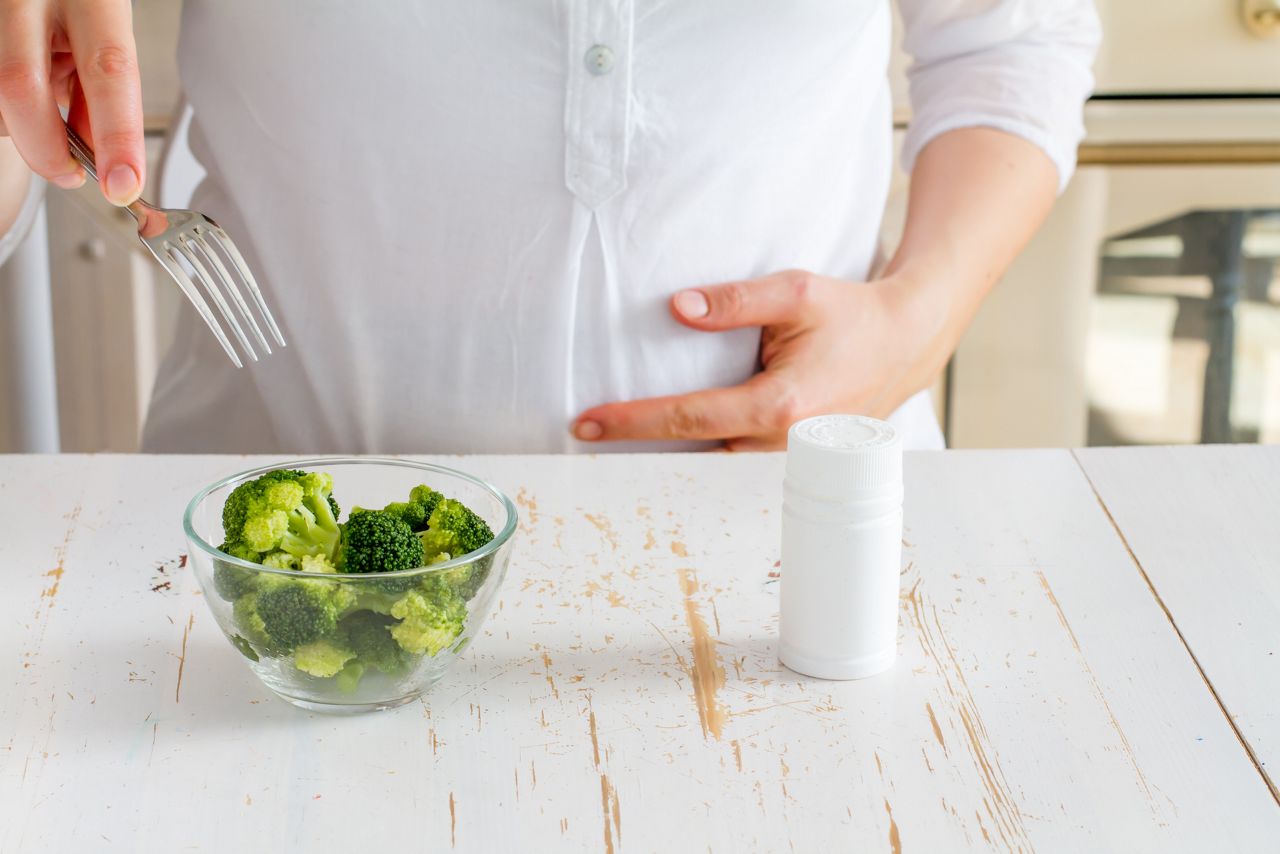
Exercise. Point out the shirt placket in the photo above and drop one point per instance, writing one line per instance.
(598, 99)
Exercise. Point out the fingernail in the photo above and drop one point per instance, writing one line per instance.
(71, 181)
(692, 304)
(122, 185)
(588, 431)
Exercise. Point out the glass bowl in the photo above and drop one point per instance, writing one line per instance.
(432, 600)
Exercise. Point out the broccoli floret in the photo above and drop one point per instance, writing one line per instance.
(369, 636)
(248, 498)
(454, 529)
(411, 513)
(232, 582)
(466, 579)
(376, 541)
(244, 646)
(286, 510)
(426, 498)
(377, 601)
(349, 678)
(414, 512)
(431, 619)
(279, 560)
(263, 530)
(317, 563)
(240, 550)
(245, 613)
(299, 611)
(324, 657)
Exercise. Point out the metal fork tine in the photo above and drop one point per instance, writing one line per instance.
(222, 240)
(203, 249)
(193, 294)
(211, 287)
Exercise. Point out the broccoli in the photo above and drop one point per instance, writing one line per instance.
(431, 618)
(245, 613)
(240, 550)
(377, 601)
(426, 498)
(368, 634)
(454, 529)
(317, 563)
(412, 514)
(286, 510)
(339, 628)
(324, 657)
(279, 560)
(299, 611)
(376, 541)
(246, 649)
(232, 582)
(348, 679)
(466, 579)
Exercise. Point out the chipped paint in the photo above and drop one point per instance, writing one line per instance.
(706, 672)
(895, 841)
(182, 657)
(530, 505)
(937, 730)
(453, 822)
(610, 808)
(595, 740)
(612, 814)
(51, 592)
(1001, 803)
(546, 663)
(1097, 690)
(605, 527)
(678, 549)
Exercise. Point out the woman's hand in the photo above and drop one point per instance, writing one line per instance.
(826, 346)
(977, 196)
(78, 54)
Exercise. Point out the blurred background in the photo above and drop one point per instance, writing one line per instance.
(1147, 311)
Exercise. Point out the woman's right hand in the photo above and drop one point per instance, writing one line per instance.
(78, 54)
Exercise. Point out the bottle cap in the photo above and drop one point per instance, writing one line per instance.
(843, 457)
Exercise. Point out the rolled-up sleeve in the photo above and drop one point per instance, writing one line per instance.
(1020, 66)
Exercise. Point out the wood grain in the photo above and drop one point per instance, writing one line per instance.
(625, 694)
(1203, 524)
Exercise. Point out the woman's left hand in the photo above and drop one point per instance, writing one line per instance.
(826, 345)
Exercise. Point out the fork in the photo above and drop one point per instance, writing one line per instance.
(178, 237)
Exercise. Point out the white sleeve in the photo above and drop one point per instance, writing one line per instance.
(1021, 66)
(17, 232)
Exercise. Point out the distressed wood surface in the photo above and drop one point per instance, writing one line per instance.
(625, 694)
(1203, 524)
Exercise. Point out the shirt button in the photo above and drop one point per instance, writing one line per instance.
(599, 60)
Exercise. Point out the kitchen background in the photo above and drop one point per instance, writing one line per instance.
(1146, 311)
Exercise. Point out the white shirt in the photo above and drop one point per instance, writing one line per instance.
(469, 217)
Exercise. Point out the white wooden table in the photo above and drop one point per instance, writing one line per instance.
(1089, 661)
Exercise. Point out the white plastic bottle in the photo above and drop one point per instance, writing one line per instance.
(841, 547)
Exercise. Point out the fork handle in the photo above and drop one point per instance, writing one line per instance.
(81, 151)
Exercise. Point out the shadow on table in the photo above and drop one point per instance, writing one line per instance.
(218, 692)
(659, 667)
